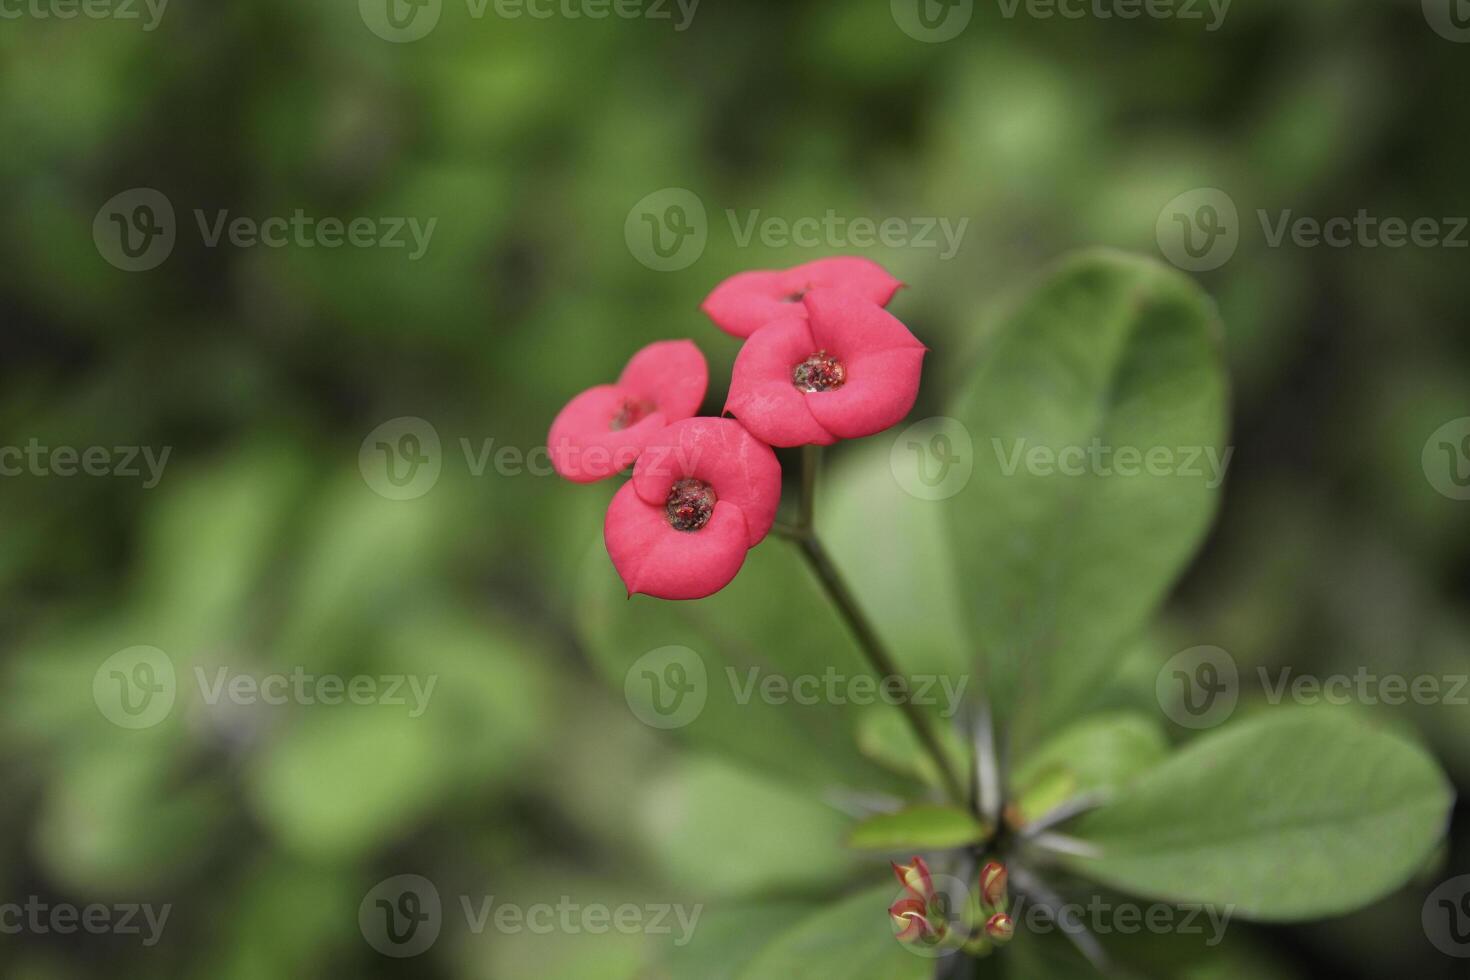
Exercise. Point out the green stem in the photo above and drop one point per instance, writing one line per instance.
(804, 535)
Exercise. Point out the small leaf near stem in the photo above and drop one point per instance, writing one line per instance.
(805, 537)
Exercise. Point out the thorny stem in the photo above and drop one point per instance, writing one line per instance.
(804, 535)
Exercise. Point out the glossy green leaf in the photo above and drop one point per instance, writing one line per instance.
(924, 827)
(1066, 537)
(1289, 815)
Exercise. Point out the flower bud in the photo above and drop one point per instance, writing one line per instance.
(910, 924)
(993, 879)
(916, 880)
(1000, 928)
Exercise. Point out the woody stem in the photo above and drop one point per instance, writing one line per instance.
(804, 535)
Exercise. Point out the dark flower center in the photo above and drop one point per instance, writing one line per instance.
(795, 297)
(690, 505)
(631, 413)
(820, 372)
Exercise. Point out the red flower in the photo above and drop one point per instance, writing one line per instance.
(703, 493)
(846, 370)
(747, 301)
(601, 431)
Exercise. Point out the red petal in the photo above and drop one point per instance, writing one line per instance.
(853, 274)
(582, 446)
(672, 374)
(748, 301)
(847, 326)
(655, 559)
(762, 396)
(742, 470)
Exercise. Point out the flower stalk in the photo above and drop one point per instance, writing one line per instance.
(804, 535)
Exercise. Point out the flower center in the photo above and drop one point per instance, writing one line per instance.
(820, 372)
(795, 297)
(631, 413)
(690, 505)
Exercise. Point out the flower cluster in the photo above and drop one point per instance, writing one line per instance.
(924, 916)
(821, 361)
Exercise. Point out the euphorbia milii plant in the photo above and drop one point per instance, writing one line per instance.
(1055, 778)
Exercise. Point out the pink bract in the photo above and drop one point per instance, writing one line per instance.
(747, 301)
(656, 558)
(602, 430)
(879, 363)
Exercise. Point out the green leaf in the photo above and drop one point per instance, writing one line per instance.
(924, 827)
(1113, 352)
(1285, 816)
(851, 939)
(1099, 754)
(719, 829)
(723, 944)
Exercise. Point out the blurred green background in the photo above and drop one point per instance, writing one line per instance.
(265, 547)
